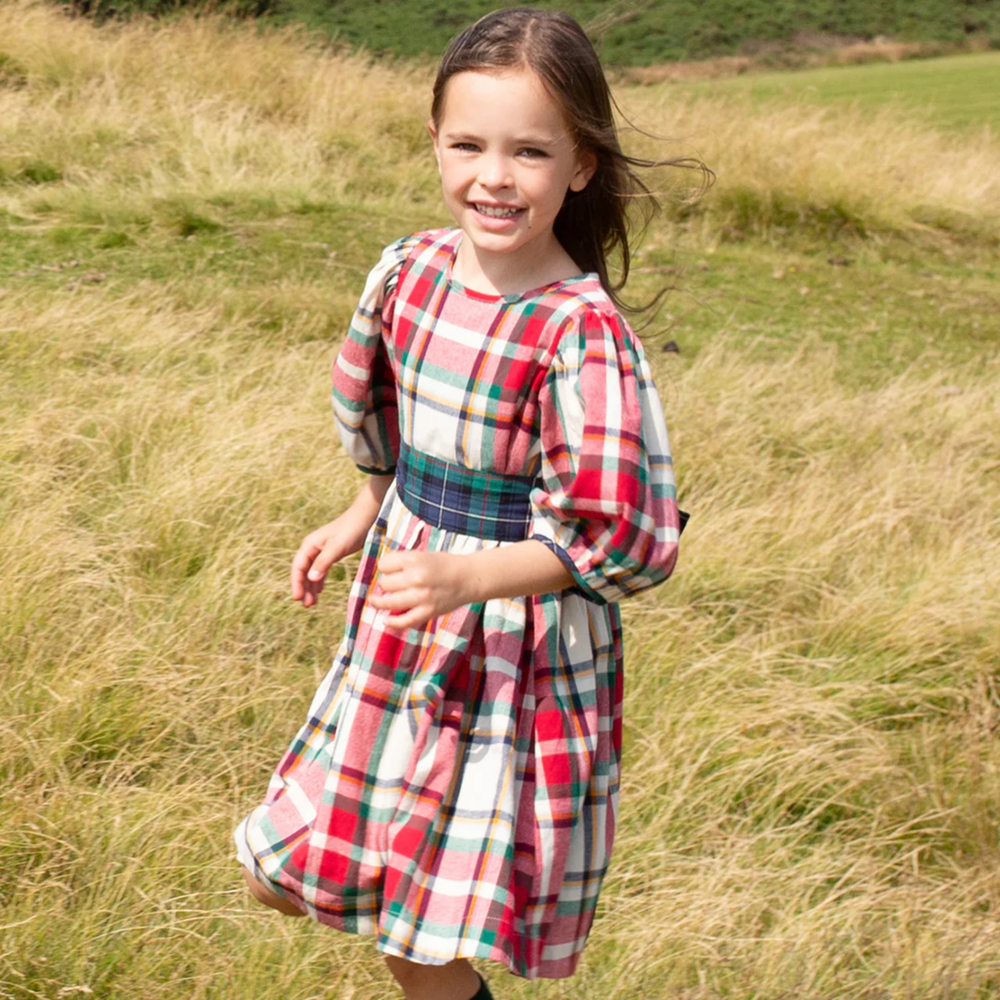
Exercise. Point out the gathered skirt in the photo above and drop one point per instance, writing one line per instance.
(453, 790)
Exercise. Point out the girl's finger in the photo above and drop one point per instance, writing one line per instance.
(326, 557)
(310, 589)
(303, 558)
(411, 618)
(393, 582)
(301, 562)
(396, 600)
(300, 586)
(394, 561)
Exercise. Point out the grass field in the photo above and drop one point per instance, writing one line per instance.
(955, 91)
(812, 782)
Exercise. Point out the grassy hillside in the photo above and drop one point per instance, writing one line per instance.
(640, 32)
(812, 777)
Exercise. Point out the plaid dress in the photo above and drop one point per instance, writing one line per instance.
(454, 788)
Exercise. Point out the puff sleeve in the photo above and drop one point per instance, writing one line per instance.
(364, 386)
(606, 504)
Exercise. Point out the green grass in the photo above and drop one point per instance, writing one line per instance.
(884, 308)
(953, 91)
(223, 241)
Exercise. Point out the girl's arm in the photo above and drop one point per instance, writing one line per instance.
(418, 586)
(329, 544)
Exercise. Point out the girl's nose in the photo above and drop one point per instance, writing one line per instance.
(494, 172)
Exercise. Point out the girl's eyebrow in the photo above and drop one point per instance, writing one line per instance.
(526, 140)
(461, 137)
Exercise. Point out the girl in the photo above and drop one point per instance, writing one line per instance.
(454, 789)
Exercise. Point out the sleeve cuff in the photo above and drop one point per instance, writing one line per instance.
(582, 587)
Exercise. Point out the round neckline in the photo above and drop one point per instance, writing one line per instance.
(530, 293)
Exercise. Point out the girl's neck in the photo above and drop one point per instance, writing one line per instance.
(512, 273)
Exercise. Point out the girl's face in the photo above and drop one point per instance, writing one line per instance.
(506, 160)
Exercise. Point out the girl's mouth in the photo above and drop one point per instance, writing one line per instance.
(497, 211)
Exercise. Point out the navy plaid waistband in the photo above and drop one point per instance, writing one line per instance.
(467, 501)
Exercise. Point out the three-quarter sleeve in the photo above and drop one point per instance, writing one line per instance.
(606, 504)
(364, 386)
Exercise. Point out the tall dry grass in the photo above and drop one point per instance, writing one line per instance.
(784, 166)
(134, 112)
(817, 720)
(812, 775)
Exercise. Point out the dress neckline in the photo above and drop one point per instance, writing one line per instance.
(531, 293)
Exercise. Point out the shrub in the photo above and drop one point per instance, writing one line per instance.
(104, 10)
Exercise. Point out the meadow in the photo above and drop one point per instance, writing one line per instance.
(812, 780)
(951, 92)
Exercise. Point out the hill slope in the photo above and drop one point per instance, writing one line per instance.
(650, 31)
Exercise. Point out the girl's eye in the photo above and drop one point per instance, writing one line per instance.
(465, 147)
(532, 153)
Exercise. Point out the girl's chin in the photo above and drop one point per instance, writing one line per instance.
(493, 243)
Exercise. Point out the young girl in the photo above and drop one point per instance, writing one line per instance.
(454, 789)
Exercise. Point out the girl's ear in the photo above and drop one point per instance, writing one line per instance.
(432, 128)
(586, 167)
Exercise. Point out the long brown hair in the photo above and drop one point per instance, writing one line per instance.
(597, 222)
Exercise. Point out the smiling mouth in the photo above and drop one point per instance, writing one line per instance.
(497, 211)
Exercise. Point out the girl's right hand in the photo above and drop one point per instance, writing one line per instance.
(327, 545)
(322, 548)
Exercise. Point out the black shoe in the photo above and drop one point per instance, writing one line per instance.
(484, 990)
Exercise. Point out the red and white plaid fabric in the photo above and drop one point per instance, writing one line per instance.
(454, 788)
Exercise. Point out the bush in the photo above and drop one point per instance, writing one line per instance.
(105, 10)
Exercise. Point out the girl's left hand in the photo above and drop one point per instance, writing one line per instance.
(418, 586)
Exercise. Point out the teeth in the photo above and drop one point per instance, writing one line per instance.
(497, 213)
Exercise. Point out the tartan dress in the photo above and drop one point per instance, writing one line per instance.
(454, 788)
